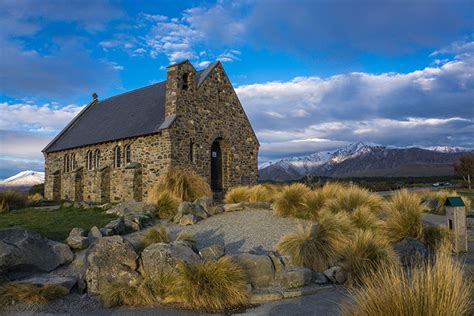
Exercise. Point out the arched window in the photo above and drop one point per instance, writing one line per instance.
(66, 163)
(128, 154)
(185, 85)
(90, 160)
(193, 151)
(73, 162)
(97, 159)
(117, 157)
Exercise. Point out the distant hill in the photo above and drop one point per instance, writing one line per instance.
(362, 160)
(22, 180)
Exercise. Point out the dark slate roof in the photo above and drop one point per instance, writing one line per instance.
(454, 201)
(134, 113)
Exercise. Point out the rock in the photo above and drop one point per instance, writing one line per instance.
(215, 210)
(256, 298)
(336, 275)
(132, 208)
(177, 218)
(111, 260)
(233, 207)
(105, 206)
(313, 230)
(411, 251)
(431, 204)
(192, 208)
(141, 220)
(258, 205)
(206, 202)
(320, 278)
(78, 268)
(213, 252)
(43, 280)
(106, 231)
(82, 204)
(94, 235)
(259, 269)
(163, 257)
(277, 262)
(77, 239)
(293, 278)
(118, 226)
(22, 249)
(188, 219)
(131, 226)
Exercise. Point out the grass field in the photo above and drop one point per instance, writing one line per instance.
(55, 224)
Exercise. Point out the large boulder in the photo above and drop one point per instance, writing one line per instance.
(23, 250)
(188, 219)
(118, 226)
(94, 235)
(164, 256)
(192, 208)
(132, 208)
(212, 252)
(77, 239)
(111, 260)
(47, 279)
(293, 278)
(259, 269)
(336, 275)
(411, 251)
(207, 203)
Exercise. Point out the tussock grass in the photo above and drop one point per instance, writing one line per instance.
(440, 198)
(149, 291)
(363, 218)
(184, 184)
(365, 253)
(4, 208)
(438, 238)
(438, 288)
(353, 197)
(237, 195)
(166, 204)
(213, 286)
(260, 193)
(403, 218)
(12, 199)
(289, 202)
(12, 293)
(317, 249)
(153, 236)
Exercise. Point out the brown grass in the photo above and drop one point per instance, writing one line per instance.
(353, 197)
(12, 293)
(153, 236)
(211, 286)
(166, 204)
(237, 195)
(184, 184)
(438, 238)
(289, 202)
(317, 250)
(440, 198)
(403, 218)
(366, 252)
(12, 199)
(363, 218)
(438, 288)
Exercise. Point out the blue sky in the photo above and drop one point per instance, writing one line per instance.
(311, 75)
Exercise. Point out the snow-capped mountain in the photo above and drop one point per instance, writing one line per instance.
(26, 178)
(450, 149)
(360, 159)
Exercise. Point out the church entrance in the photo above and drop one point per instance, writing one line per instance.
(216, 166)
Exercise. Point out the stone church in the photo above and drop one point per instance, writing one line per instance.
(115, 148)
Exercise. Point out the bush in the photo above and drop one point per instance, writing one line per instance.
(437, 288)
(260, 193)
(436, 238)
(37, 188)
(12, 293)
(353, 197)
(237, 195)
(317, 249)
(184, 184)
(364, 219)
(153, 236)
(289, 202)
(212, 286)
(403, 218)
(12, 199)
(365, 253)
(166, 204)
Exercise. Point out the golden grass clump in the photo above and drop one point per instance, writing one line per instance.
(259, 193)
(12, 199)
(403, 218)
(12, 293)
(438, 238)
(184, 184)
(352, 197)
(438, 288)
(289, 202)
(153, 236)
(365, 253)
(364, 219)
(317, 248)
(237, 195)
(166, 205)
(440, 198)
(212, 286)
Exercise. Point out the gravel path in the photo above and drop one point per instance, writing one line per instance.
(240, 231)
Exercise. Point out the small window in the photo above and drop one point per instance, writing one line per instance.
(128, 154)
(73, 162)
(90, 160)
(450, 224)
(191, 152)
(97, 159)
(185, 82)
(66, 163)
(117, 157)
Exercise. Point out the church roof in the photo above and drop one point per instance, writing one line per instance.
(131, 114)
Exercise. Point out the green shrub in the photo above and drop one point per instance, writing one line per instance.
(289, 202)
(13, 293)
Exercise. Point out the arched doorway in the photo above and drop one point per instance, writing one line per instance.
(216, 166)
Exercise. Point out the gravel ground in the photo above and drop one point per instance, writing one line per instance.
(241, 231)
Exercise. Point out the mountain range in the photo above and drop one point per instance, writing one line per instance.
(24, 179)
(366, 160)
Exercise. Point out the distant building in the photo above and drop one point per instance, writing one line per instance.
(115, 149)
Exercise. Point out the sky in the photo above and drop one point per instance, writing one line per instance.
(311, 75)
